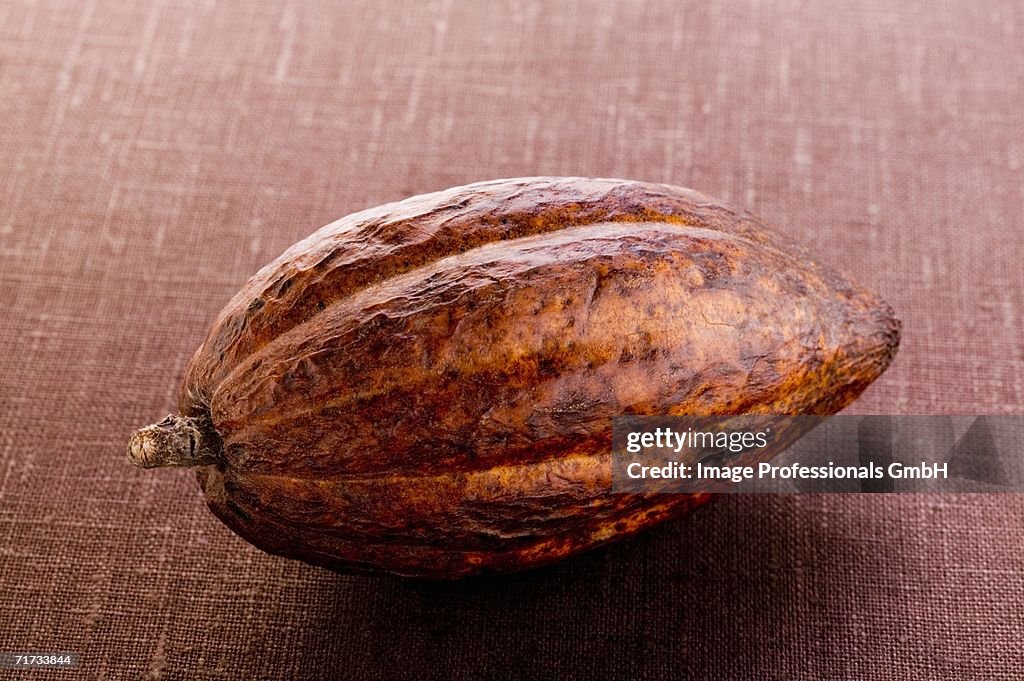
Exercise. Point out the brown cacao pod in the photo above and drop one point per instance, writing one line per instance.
(427, 387)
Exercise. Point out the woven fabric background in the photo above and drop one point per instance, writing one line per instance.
(154, 154)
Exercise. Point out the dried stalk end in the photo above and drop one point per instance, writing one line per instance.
(177, 441)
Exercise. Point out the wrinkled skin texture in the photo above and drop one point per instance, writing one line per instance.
(427, 387)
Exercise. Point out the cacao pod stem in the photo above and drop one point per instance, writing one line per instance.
(177, 441)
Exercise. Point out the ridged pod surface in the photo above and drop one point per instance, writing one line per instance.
(427, 387)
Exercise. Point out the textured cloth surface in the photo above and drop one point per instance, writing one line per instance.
(153, 155)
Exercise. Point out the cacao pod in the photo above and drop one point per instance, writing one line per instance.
(427, 387)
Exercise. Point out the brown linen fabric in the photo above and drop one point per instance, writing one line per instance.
(154, 154)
